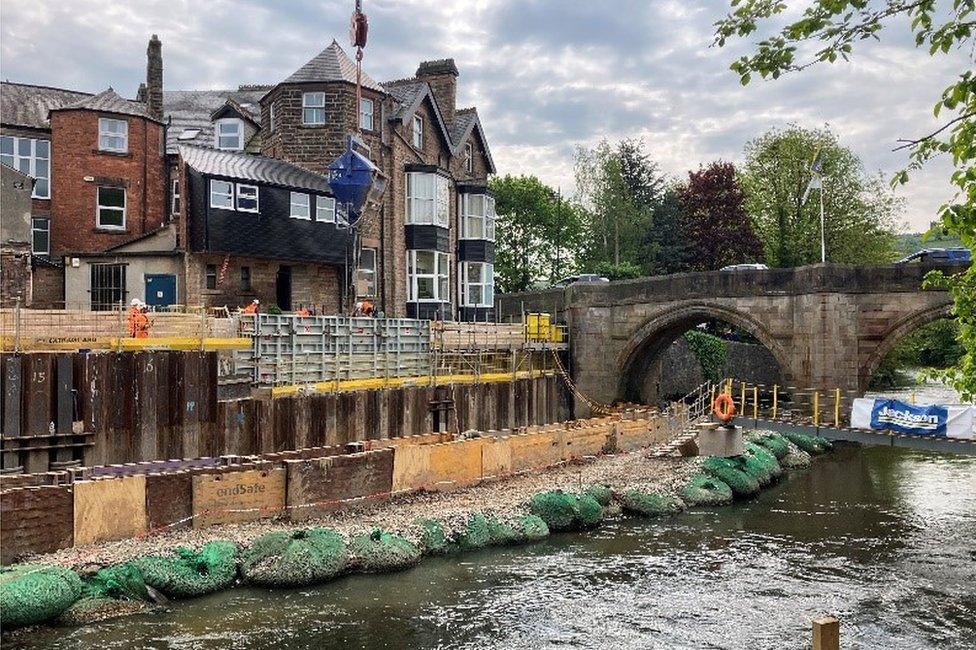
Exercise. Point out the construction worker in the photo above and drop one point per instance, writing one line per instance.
(303, 311)
(252, 308)
(138, 320)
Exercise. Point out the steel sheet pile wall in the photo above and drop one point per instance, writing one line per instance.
(84, 506)
(102, 408)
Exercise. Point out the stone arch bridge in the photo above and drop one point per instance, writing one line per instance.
(827, 325)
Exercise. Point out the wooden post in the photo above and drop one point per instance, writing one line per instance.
(755, 402)
(826, 633)
(742, 398)
(775, 399)
(816, 408)
(837, 408)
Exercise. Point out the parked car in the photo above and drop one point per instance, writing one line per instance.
(929, 255)
(744, 267)
(584, 277)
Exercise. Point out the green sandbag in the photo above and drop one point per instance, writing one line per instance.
(433, 538)
(295, 559)
(187, 573)
(796, 459)
(811, 444)
(529, 528)
(727, 471)
(705, 490)
(650, 504)
(563, 511)
(477, 533)
(119, 582)
(33, 593)
(766, 457)
(774, 442)
(380, 552)
(602, 493)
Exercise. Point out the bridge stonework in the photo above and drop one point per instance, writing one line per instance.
(827, 325)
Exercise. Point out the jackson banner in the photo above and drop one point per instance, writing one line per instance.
(941, 420)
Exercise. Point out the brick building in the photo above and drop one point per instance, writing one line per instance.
(219, 197)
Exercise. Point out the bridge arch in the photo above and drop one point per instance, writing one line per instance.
(895, 333)
(648, 342)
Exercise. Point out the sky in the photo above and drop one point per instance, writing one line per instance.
(547, 76)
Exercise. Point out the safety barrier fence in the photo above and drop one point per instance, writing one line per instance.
(55, 510)
(77, 329)
(816, 406)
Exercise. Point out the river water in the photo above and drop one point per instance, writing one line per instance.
(884, 538)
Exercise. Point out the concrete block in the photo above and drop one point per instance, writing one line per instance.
(721, 442)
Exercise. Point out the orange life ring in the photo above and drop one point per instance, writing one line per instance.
(724, 407)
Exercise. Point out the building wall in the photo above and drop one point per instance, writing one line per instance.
(315, 286)
(15, 276)
(75, 156)
(77, 279)
(47, 280)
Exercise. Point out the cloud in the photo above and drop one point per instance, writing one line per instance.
(546, 75)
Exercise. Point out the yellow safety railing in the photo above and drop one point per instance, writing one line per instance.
(817, 406)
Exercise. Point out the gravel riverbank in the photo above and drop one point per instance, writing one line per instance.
(503, 497)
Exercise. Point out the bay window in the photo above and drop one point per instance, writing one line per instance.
(32, 157)
(428, 276)
(477, 284)
(477, 216)
(428, 196)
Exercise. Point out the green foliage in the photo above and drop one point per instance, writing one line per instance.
(858, 210)
(710, 351)
(274, 309)
(537, 233)
(934, 347)
(622, 271)
(908, 243)
(827, 30)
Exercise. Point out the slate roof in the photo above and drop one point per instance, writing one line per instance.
(331, 64)
(464, 120)
(108, 101)
(28, 105)
(191, 109)
(406, 93)
(247, 167)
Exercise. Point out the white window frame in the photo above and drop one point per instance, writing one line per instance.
(428, 199)
(28, 163)
(174, 204)
(272, 118)
(441, 277)
(325, 209)
(418, 131)
(103, 132)
(256, 197)
(46, 230)
(369, 272)
(307, 205)
(99, 207)
(239, 127)
(486, 286)
(308, 105)
(366, 117)
(467, 216)
(229, 194)
(468, 158)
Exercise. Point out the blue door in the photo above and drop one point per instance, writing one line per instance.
(160, 290)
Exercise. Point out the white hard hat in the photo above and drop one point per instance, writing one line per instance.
(135, 301)
(256, 301)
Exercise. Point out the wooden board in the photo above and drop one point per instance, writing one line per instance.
(109, 509)
(169, 501)
(232, 497)
(321, 485)
(496, 457)
(35, 520)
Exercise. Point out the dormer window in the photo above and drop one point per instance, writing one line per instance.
(313, 109)
(418, 131)
(229, 134)
(113, 135)
(468, 157)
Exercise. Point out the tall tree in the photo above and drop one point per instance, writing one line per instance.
(537, 233)
(714, 220)
(859, 210)
(828, 30)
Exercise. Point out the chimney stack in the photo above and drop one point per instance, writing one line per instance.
(154, 77)
(442, 76)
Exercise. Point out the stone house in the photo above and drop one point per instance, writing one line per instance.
(426, 249)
